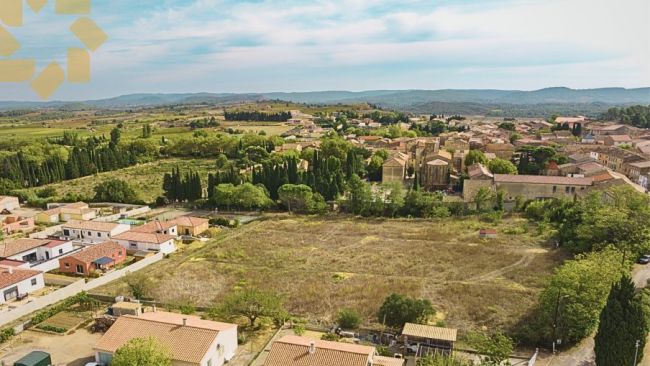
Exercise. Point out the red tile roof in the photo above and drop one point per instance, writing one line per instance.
(13, 276)
(94, 252)
(542, 179)
(144, 237)
(294, 351)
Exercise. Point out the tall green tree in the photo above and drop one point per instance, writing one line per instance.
(142, 352)
(252, 304)
(622, 323)
(115, 190)
(398, 310)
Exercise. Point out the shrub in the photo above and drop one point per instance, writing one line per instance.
(330, 337)
(348, 319)
(52, 328)
(299, 329)
(6, 334)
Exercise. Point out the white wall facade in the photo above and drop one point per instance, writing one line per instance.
(24, 287)
(94, 236)
(165, 248)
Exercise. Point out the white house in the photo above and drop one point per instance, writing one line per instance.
(9, 203)
(190, 339)
(34, 250)
(92, 232)
(16, 282)
(158, 227)
(147, 242)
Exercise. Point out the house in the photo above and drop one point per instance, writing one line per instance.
(430, 339)
(487, 234)
(99, 257)
(638, 173)
(16, 282)
(158, 227)
(301, 351)
(532, 187)
(126, 308)
(479, 171)
(16, 224)
(146, 242)
(502, 151)
(395, 168)
(9, 203)
(78, 211)
(34, 250)
(434, 175)
(92, 231)
(190, 339)
(191, 226)
(617, 140)
(604, 130)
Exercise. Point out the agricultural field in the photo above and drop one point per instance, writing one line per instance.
(145, 179)
(321, 265)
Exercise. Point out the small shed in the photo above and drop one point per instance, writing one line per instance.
(127, 308)
(488, 234)
(430, 339)
(35, 358)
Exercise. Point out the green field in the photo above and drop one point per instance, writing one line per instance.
(321, 265)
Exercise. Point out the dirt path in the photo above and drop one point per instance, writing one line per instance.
(525, 261)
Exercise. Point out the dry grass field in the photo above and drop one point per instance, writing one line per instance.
(146, 179)
(321, 265)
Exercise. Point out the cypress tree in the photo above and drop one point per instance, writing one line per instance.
(622, 323)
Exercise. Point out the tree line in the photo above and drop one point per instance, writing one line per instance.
(257, 116)
(637, 116)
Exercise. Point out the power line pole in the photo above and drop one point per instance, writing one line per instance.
(557, 309)
(636, 352)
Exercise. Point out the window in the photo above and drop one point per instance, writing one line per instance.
(133, 244)
(66, 232)
(67, 265)
(554, 189)
(567, 189)
(99, 235)
(80, 268)
(573, 189)
(90, 234)
(60, 251)
(34, 282)
(119, 253)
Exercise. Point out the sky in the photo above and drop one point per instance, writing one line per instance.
(179, 46)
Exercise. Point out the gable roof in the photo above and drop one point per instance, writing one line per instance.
(153, 238)
(430, 332)
(387, 361)
(92, 225)
(12, 276)
(294, 351)
(190, 221)
(16, 246)
(192, 321)
(542, 179)
(185, 343)
(154, 226)
(97, 251)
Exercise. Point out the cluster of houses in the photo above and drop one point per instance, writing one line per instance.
(601, 155)
(195, 341)
(81, 245)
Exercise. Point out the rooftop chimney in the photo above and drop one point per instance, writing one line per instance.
(184, 321)
(312, 348)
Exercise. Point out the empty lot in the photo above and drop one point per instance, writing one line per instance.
(321, 265)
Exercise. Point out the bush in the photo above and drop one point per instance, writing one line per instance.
(52, 328)
(492, 217)
(46, 192)
(299, 329)
(6, 334)
(348, 319)
(330, 337)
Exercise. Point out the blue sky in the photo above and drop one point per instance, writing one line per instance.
(292, 45)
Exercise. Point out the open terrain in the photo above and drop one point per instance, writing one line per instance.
(146, 179)
(321, 265)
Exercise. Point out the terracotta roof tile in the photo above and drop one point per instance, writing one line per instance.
(186, 343)
(387, 361)
(16, 246)
(94, 252)
(542, 179)
(92, 225)
(430, 332)
(190, 221)
(154, 226)
(144, 237)
(10, 277)
(294, 351)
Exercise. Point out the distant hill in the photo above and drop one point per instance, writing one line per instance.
(496, 102)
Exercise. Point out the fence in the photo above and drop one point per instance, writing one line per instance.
(73, 289)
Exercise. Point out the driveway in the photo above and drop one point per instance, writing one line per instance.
(74, 350)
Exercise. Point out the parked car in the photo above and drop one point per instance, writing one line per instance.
(413, 348)
(644, 259)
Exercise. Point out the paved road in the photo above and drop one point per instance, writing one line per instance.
(583, 354)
